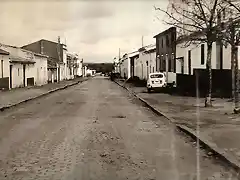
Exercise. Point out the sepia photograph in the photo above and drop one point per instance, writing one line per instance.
(119, 90)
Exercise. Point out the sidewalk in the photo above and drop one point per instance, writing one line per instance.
(218, 125)
(18, 95)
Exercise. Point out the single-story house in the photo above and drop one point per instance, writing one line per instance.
(24, 68)
(127, 64)
(4, 70)
(146, 62)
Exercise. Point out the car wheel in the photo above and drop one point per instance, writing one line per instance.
(149, 90)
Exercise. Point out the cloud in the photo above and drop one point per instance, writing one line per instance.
(95, 29)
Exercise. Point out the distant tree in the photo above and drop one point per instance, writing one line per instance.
(197, 20)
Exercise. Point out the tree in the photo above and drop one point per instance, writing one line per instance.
(230, 34)
(197, 19)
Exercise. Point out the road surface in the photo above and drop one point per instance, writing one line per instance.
(96, 130)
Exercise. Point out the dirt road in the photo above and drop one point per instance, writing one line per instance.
(97, 131)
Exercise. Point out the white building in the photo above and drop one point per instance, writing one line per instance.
(84, 71)
(4, 70)
(146, 62)
(74, 66)
(127, 64)
(24, 68)
(195, 57)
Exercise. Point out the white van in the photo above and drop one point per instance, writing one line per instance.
(156, 80)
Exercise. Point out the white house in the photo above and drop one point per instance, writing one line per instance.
(195, 57)
(42, 72)
(84, 71)
(146, 62)
(74, 66)
(127, 64)
(25, 67)
(4, 69)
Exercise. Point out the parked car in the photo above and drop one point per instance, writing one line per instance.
(156, 80)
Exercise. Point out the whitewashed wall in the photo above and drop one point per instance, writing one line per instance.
(78, 70)
(137, 68)
(124, 67)
(6, 72)
(41, 73)
(17, 75)
(30, 72)
(195, 57)
(141, 68)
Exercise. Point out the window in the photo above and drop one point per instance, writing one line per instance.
(167, 41)
(168, 59)
(173, 37)
(18, 71)
(221, 56)
(189, 62)
(162, 43)
(172, 62)
(156, 76)
(202, 54)
(2, 67)
(153, 69)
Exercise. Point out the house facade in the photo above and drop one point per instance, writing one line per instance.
(166, 53)
(57, 58)
(24, 68)
(195, 57)
(4, 70)
(74, 66)
(146, 62)
(126, 64)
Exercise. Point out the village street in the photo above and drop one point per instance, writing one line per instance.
(96, 130)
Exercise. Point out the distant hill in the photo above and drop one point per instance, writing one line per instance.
(100, 67)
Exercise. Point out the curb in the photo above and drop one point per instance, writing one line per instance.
(230, 160)
(41, 95)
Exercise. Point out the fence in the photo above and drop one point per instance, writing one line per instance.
(221, 83)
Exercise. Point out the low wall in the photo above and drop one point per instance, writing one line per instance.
(221, 83)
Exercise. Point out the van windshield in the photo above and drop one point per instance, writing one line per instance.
(156, 76)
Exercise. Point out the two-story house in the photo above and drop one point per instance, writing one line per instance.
(57, 57)
(166, 53)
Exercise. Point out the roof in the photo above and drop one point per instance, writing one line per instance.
(21, 60)
(133, 54)
(41, 55)
(64, 45)
(4, 52)
(148, 48)
(201, 33)
(151, 47)
(15, 47)
(165, 32)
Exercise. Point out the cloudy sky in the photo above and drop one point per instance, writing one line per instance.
(95, 29)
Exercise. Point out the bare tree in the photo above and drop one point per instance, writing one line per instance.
(198, 21)
(230, 34)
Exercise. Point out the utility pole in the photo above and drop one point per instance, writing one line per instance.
(142, 41)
